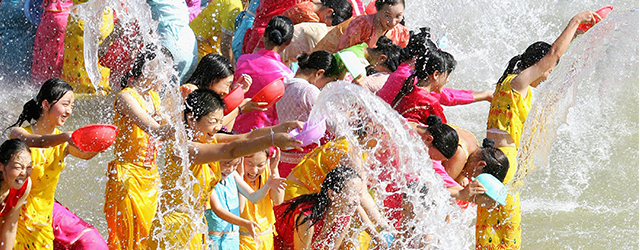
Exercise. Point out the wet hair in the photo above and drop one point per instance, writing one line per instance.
(497, 161)
(445, 138)
(9, 149)
(381, 3)
(531, 56)
(318, 60)
(342, 10)
(386, 47)
(52, 90)
(212, 68)
(336, 180)
(279, 30)
(145, 55)
(419, 44)
(201, 102)
(426, 65)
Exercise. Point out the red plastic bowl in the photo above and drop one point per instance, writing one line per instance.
(270, 93)
(95, 137)
(233, 100)
(602, 12)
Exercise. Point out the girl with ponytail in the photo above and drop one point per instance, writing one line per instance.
(264, 67)
(319, 220)
(507, 114)
(300, 95)
(50, 109)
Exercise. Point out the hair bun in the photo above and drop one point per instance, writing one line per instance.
(303, 60)
(487, 143)
(275, 36)
(433, 120)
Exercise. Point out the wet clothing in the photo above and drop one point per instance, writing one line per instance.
(72, 232)
(227, 192)
(12, 198)
(216, 19)
(509, 109)
(261, 213)
(362, 29)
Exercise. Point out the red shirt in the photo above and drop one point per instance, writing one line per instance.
(12, 199)
(418, 105)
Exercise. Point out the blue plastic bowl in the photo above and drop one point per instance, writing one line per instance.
(495, 189)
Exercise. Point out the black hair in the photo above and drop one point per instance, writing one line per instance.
(445, 138)
(531, 56)
(147, 54)
(212, 68)
(201, 102)
(52, 90)
(342, 10)
(10, 148)
(450, 62)
(381, 3)
(419, 44)
(336, 180)
(426, 65)
(279, 30)
(386, 47)
(318, 60)
(497, 161)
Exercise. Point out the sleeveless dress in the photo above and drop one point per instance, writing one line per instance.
(227, 192)
(500, 227)
(262, 213)
(131, 195)
(34, 225)
(182, 208)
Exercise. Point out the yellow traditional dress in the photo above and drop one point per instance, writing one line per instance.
(34, 229)
(499, 227)
(262, 213)
(131, 196)
(182, 204)
(217, 18)
(73, 68)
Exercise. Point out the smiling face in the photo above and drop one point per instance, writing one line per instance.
(390, 15)
(254, 165)
(17, 170)
(222, 86)
(349, 199)
(206, 128)
(228, 166)
(60, 110)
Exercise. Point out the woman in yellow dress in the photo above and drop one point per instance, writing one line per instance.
(49, 146)
(182, 207)
(500, 227)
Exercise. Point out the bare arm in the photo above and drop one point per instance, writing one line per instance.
(221, 212)
(40, 141)
(204, 153)
(276, 194)
(260, 132)
(128, 107)
(531, 74)
(225, 46)
(302, 234)
(257, 196)
(10, 222)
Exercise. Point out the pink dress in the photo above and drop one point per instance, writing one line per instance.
(72, 232)
(394, 83)
(48, 47)
(263, 66)
(194, 8)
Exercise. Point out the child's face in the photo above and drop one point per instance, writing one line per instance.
(349, 199)
(442, 80)
(227, 167)
(254, 165)
(61, 110)
(206, 128)
(222, 86)
(390, 15)
(18, 169)
(474, 165)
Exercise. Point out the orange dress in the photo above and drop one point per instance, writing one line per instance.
(362, 29)
(302, 12)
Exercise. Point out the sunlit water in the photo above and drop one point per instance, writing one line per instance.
(581, 141)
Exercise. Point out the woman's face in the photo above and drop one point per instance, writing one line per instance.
(60, 110)
(474, 166)
(390, 15)
(206, 128)
(222, 86)
(228, 166)
(18, 169)
(254, 165)
(349, 199)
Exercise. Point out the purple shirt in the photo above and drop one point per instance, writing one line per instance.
(264, 67)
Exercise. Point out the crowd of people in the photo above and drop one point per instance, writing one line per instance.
(248, 180)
